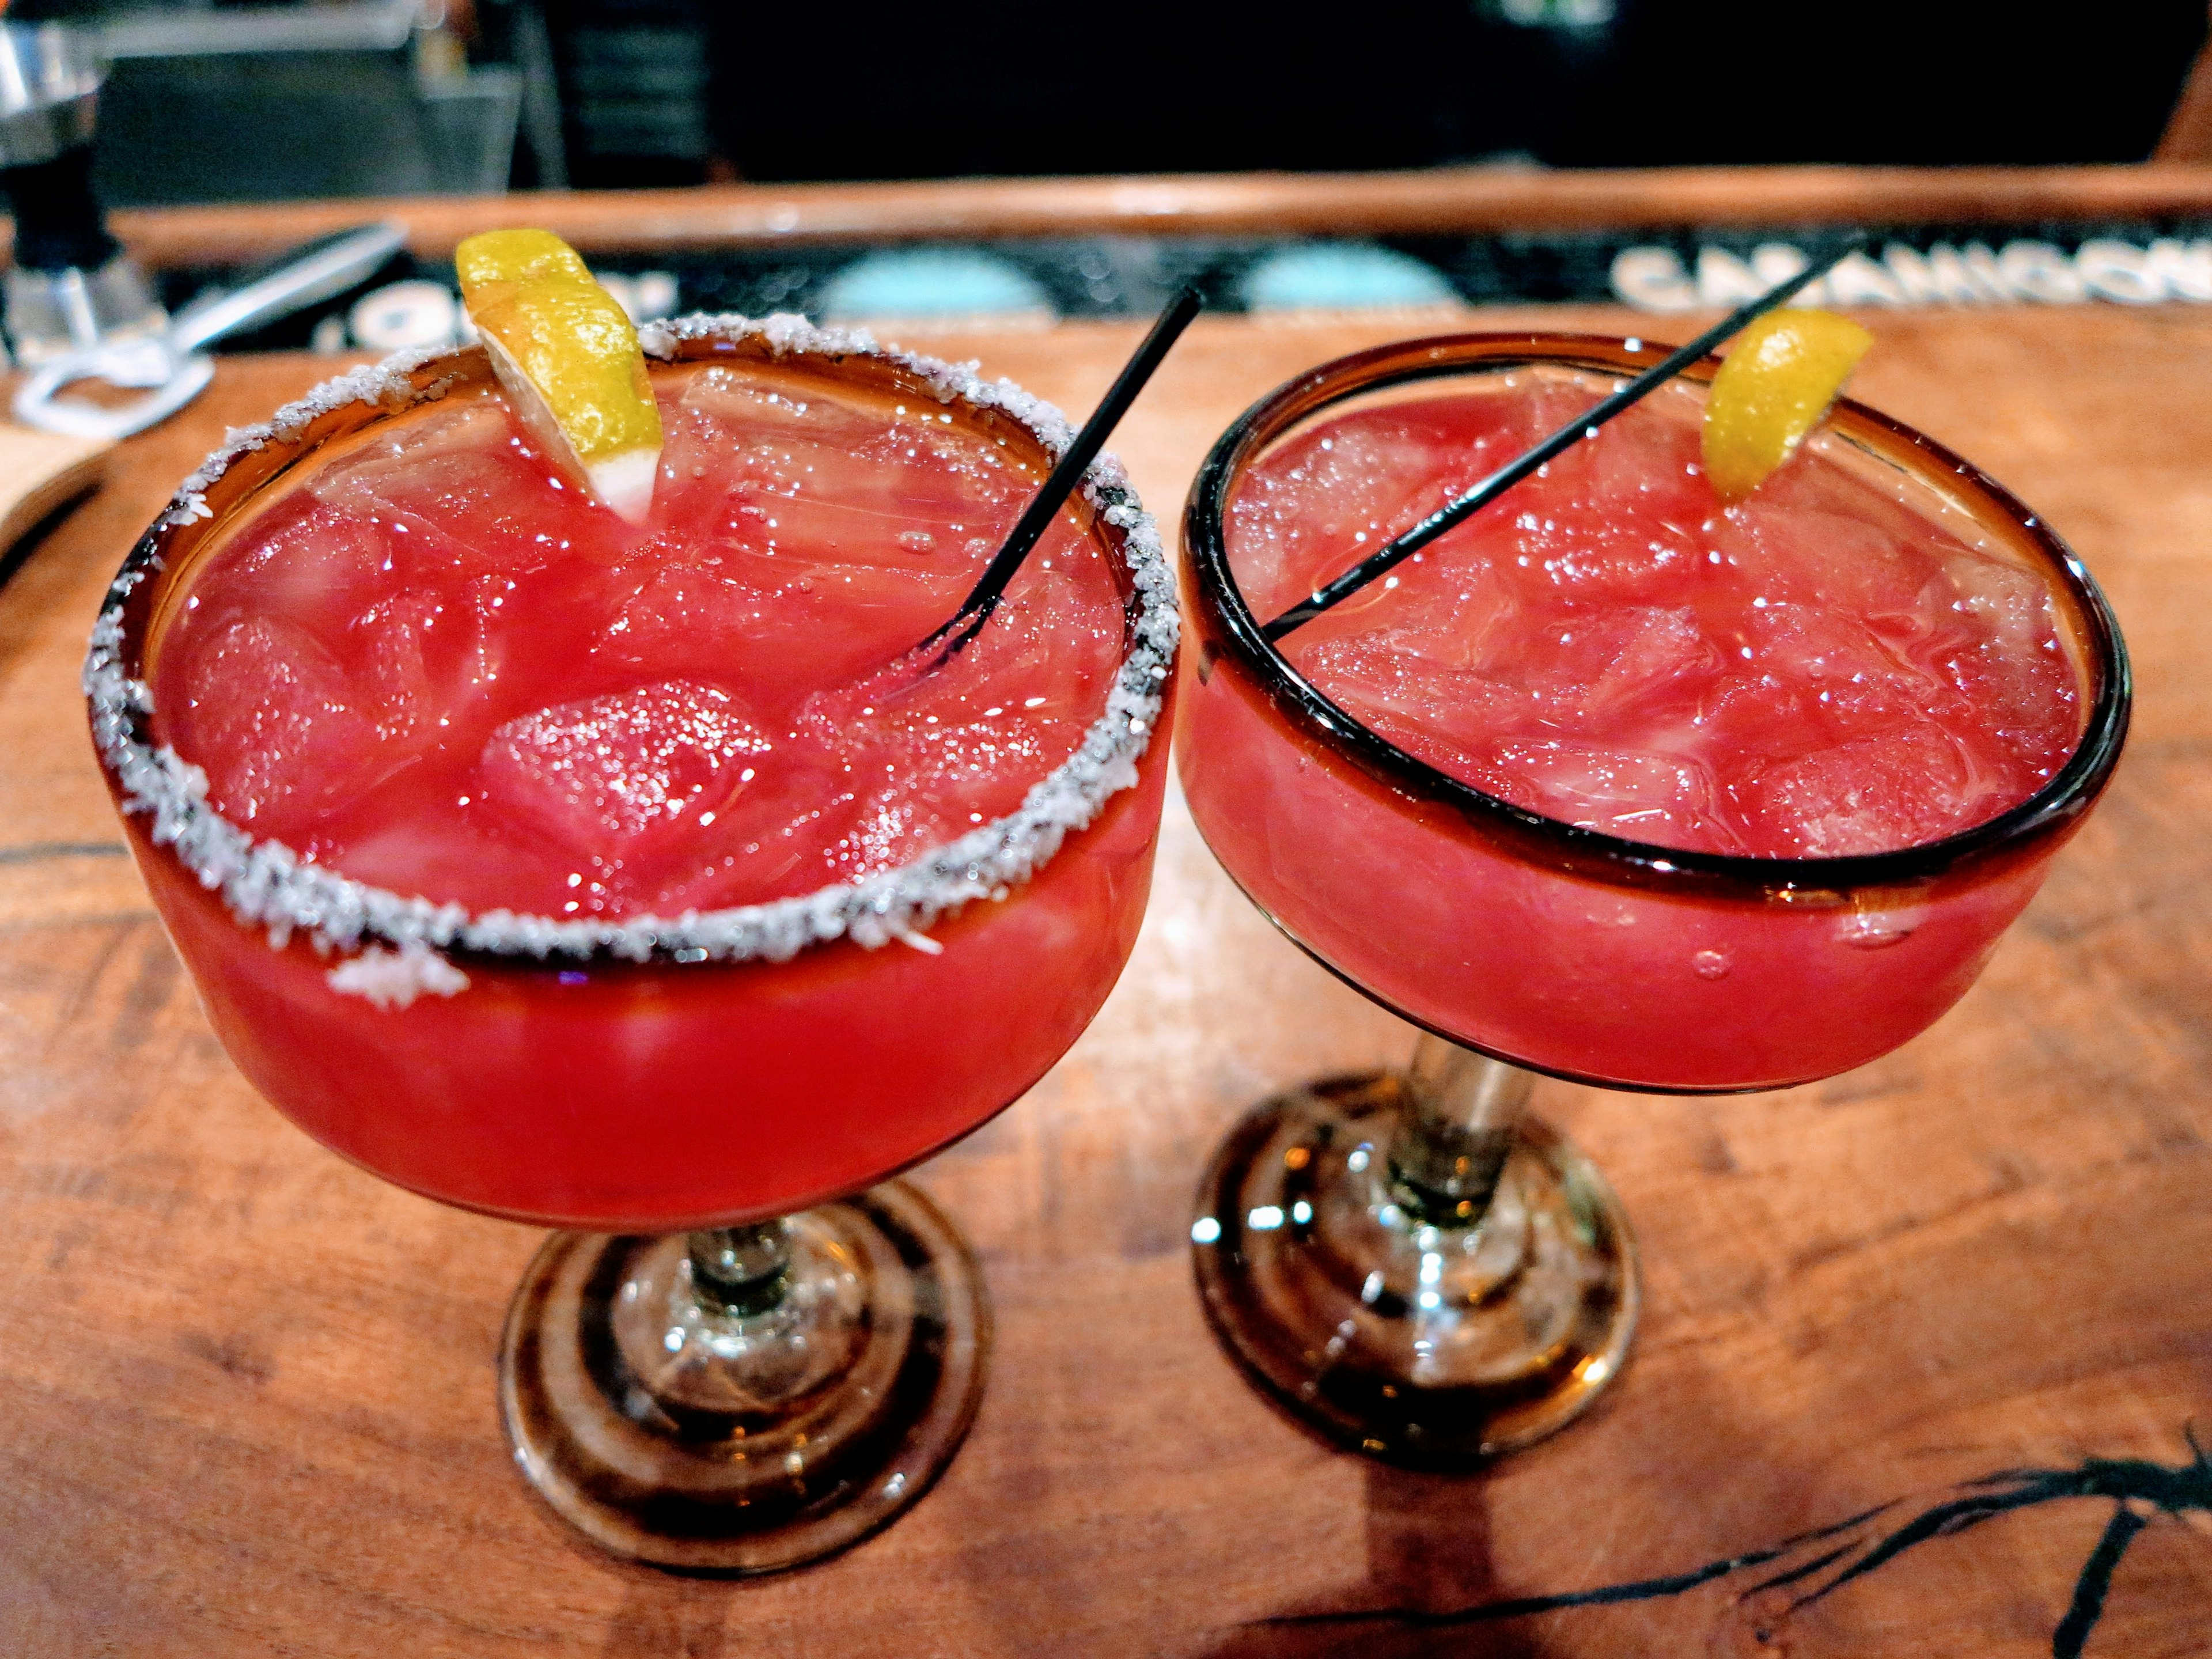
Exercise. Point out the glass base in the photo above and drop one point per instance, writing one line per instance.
(710, 1439)
(1428, 1346)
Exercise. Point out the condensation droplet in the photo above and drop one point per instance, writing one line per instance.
(916, 541)
(1711, 965)
(1873, 930)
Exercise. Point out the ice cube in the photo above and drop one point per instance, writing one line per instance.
(624, 768)
(1887, 789)
(2012, 603)
(1660, 661)
(1305, 520)
(1423, 706)
(936, 749)
(1667, 800)
(307, 562)
(265, 712)
(1784, 551)
(423, 658)
(922, 784)
(817, 483)
(461, 488)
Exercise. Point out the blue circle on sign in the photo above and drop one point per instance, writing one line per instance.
(931, 282)
(1342, 276)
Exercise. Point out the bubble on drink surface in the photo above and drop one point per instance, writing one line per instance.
(1712, 963)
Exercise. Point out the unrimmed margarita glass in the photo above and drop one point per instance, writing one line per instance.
(756, 1348)
(1409, 1262)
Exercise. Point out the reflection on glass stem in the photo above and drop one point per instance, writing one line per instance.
(741, 1400)
(739, 1271)
(1463, 1111)
(1414, 1267)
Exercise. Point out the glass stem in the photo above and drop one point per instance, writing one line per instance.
(1463, 1111)
(741, 1271)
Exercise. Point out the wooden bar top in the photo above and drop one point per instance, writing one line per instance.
(246, 1390)
(1448, 200)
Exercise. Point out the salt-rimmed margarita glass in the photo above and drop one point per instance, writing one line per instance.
(762, 1349)
(1409, 1262)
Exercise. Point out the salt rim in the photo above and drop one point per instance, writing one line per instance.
(266, 883)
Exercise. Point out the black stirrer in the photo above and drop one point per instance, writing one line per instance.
(1582, 427)
(991, 587)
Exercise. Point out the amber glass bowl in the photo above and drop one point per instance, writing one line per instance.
(1568, 950)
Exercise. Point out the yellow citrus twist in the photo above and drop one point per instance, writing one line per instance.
(567, 356)
(1777, 381)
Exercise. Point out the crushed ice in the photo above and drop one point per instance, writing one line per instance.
(266, 883)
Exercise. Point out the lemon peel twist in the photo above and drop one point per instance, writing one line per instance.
(567, 356)
(1773, 388)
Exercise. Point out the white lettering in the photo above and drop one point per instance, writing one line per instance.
(2119, 271)
(1725, 280)
(1857, 280)
(2038, 272)
(2105, 267)
(1777, 262)
(1652, 279)
(1982, 266)
(1941, 277)
(2183, 269)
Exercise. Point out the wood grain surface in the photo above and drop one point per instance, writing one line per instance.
(1442, 200)
(245, 1390)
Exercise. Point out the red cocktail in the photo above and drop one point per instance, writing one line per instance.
(595, 874)
(1608, 783)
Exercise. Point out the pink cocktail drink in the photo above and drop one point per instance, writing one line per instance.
(1610, 781)
(634, 877)
(423, 664)
(1697, 772)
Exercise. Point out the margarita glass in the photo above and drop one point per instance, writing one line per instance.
(1410, 1262)
(758, 1348)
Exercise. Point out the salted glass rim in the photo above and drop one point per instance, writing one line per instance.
(2064, 797)
(266, 883)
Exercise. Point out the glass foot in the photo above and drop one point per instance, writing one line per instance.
(744, 1402)
(1432, 1346)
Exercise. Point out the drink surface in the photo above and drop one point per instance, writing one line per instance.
(1821, 670)
(436, 666)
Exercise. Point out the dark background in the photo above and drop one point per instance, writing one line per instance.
(669, 92)
(1159, 85)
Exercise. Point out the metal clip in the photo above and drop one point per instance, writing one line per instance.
(176, 367)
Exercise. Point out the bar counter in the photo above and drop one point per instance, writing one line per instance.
(246, 1393)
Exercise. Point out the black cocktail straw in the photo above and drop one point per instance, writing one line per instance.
(1582, 426)
(983, 599)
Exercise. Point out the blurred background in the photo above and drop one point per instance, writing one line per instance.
(213, 102)
(209, 101)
